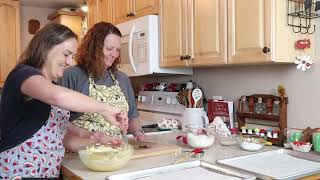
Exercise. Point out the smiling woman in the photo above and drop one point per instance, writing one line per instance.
(32, 113)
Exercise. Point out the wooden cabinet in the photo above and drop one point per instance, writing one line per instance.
(118, 11)
(10, 37)
(125, 10)
(215, 32)
(193, 33)
(70, 19)
(99, 10)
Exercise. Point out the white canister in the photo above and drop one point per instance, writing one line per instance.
(194, 116)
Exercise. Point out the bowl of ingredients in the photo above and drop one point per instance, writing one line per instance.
(200, 135)
(251, 142)
(301, 146)
(228, 139)
(104, 157)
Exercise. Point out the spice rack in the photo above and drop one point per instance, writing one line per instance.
(281, 118)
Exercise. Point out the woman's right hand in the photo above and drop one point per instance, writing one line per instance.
(117, 117)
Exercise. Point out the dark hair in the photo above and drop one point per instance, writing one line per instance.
(46, 38)
(90, 53)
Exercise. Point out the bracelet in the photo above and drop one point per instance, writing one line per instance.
(137, 131)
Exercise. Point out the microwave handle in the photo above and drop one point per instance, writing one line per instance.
(130, 49)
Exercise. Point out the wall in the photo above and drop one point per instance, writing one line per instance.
(303, 88)
(27, 13)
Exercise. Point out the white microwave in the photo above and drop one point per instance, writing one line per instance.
(140, 48)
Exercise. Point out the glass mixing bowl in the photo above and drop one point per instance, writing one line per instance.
(104, 157)
(200, 135)
(251, 142)
(228, 139)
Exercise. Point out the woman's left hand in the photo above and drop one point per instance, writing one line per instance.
(139, 136)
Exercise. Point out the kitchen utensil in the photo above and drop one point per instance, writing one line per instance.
(196, 95)
(194, 116)
(189, 91)
(124, 137)
(195, 151)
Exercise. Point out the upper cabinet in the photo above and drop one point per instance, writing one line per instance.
(125, 10)
(193, 33)
(99, 10)
(71, 19)
(118, 11)
(10, 37)
(215, 32)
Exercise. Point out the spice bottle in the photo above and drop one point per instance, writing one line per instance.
(260, 107)
(276, 108)
(243, 104)
(269, 106)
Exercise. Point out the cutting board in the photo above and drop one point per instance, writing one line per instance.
(153, 149)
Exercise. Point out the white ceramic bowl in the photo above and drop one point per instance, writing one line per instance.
(105, 158)
(199, 135)
(301, 148)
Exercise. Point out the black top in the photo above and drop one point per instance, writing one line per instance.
(20, 115)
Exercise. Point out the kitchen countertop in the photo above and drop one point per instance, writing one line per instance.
(73, 168)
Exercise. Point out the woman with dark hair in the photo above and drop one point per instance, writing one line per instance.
(32, 116)
(97, 76)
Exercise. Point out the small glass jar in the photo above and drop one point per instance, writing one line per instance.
(243, 104)
(276, 108)
(260, 107)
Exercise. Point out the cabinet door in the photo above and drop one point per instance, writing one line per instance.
(144, 7)
(10, 37)
(207, 42)
(99, 10)
(173, 24)
(121, 8)
(249, 31)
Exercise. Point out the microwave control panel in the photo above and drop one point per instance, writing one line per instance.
(142, 39)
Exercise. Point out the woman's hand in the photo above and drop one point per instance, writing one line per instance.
(117, 117)
(139, 136)
(101, 138)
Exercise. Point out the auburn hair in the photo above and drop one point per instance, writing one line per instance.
(90, 55)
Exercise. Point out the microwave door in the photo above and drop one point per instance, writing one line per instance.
(130, 49)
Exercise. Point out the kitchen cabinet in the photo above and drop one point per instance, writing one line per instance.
(71, 19)
(193, 33)
(125, 10)
(118, 11)
(215, 32)
(99, 10)
(10, 37)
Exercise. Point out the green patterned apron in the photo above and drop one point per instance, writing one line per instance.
(112, 96)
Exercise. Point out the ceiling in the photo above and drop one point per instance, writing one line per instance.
(53, 4)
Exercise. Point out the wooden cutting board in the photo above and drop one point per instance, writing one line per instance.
(143, 150)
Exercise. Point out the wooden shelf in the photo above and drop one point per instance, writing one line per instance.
(281, 119)
(259, 116)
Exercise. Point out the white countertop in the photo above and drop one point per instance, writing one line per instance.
(216, 152)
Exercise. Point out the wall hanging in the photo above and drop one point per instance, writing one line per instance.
(301, 14)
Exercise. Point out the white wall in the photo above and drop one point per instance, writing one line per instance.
(303, 88)
(27, 13)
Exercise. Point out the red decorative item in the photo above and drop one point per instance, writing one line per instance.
(303, 44)
(197, 151)
(184, 139)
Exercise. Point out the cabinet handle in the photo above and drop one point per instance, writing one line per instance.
(188, 57)
(182, 58)
(128, 15)
(266, 50)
